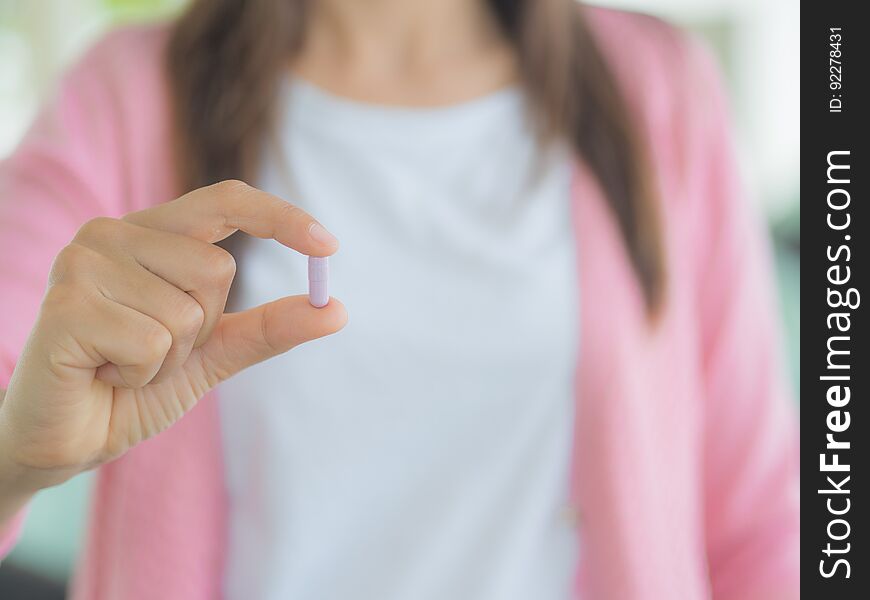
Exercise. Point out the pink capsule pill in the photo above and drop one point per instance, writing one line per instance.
(318, 276)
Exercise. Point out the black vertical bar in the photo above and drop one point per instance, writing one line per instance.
(835, 368)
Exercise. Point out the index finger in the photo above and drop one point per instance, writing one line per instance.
(217, 211)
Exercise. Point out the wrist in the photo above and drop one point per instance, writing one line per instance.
(16, 488)
(16, 480)
(20, 477)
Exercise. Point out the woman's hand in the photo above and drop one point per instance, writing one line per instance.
(132, 333)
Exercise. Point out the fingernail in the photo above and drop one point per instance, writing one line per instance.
(319, 234)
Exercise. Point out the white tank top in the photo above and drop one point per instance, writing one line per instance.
(422, 453)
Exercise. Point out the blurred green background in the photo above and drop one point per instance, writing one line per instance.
(757, 43)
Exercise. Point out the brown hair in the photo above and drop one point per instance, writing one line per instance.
(226, 58)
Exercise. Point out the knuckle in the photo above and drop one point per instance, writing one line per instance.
(156, 342)
(229, 187)
(221, 266)
(189, 318)
(98, 228)
(72, 260)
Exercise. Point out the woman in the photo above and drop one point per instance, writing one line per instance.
(560, 379)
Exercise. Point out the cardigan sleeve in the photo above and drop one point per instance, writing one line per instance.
(66, 170)
(751, 475)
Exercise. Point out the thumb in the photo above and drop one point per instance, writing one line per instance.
(245, 338)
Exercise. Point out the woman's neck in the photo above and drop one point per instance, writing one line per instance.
(405, 52)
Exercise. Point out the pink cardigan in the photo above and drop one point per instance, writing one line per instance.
(685, 478)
